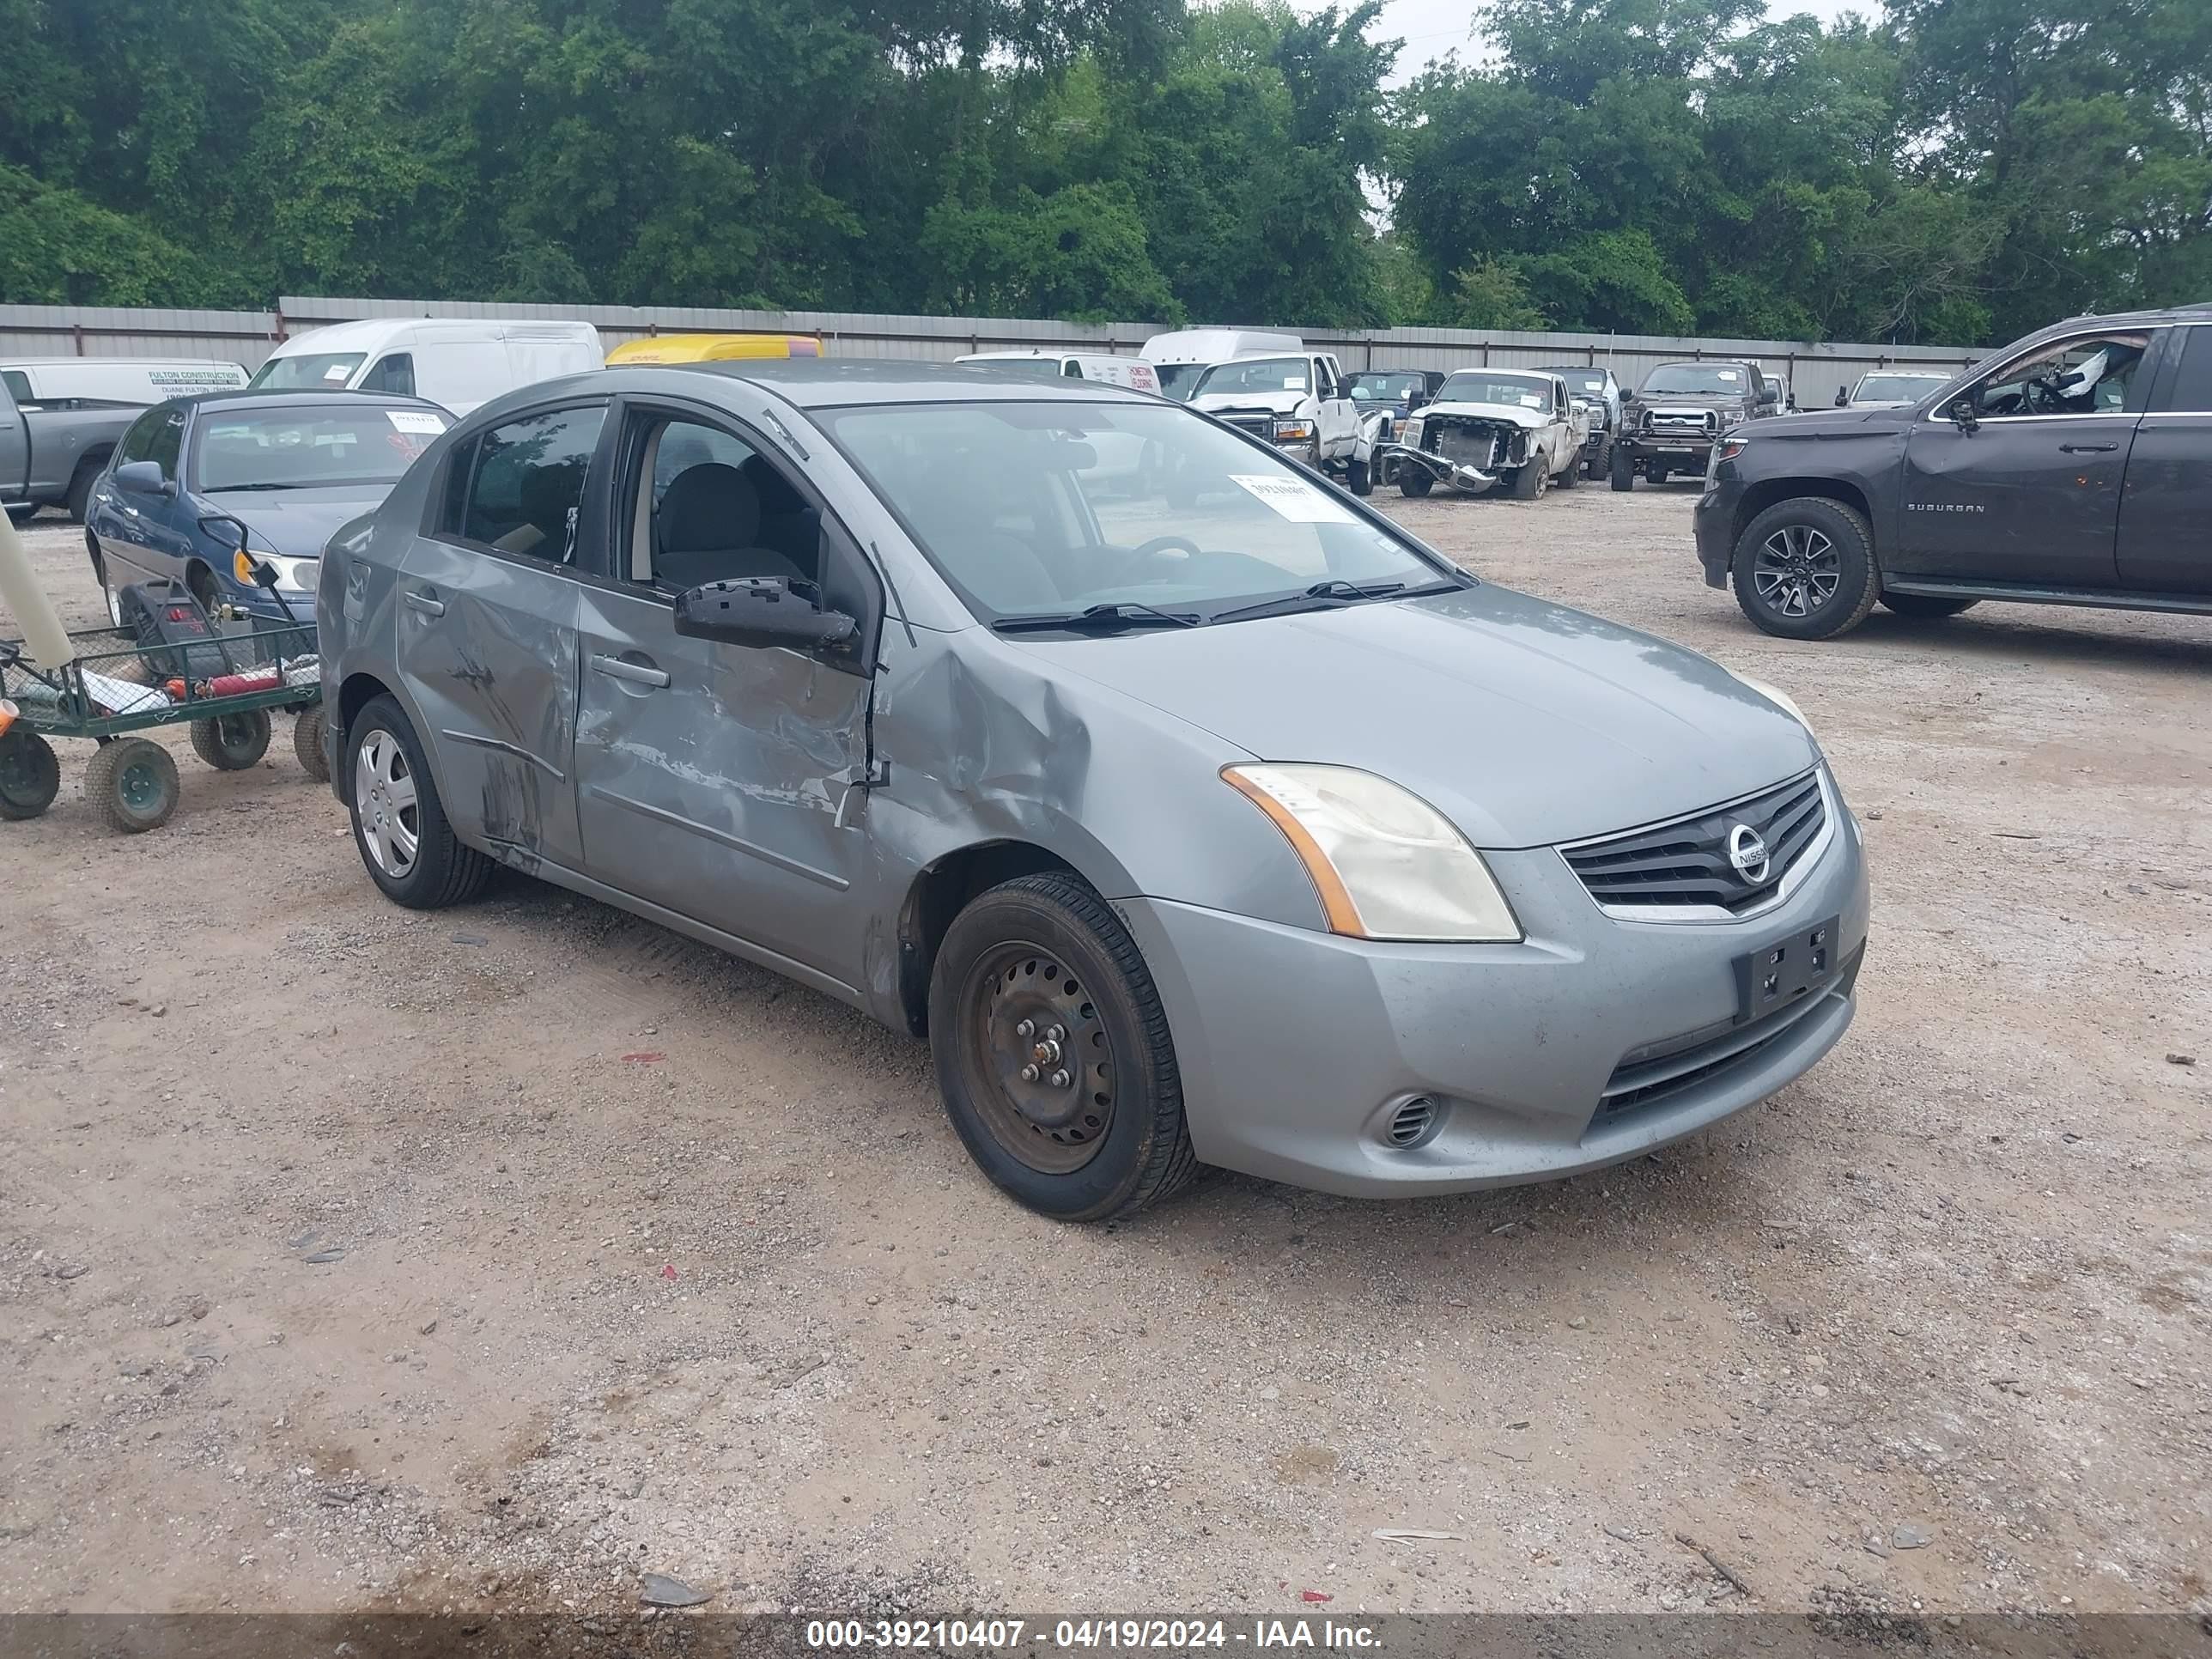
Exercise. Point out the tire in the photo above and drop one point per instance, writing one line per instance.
(1814, 560)
(391, 782)
(80, 487)
(1359, 478)
(232, 743)
(1415, 481)
(199, 582)
(1529, 482)
(114, 600)
(1600, 460)
(1928, 605)
(1571, 476)
(30, 774)
(307, 728)
(1622, 465)
(132, 784)
(1656, 474)
(1004, 963)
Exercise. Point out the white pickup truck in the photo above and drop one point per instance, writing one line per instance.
(1301, 402)
(1485, 427)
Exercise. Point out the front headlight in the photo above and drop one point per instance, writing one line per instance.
(298, 574)
(1293, 431)
(1411, 434)
(1780, 698)
(1385, 863)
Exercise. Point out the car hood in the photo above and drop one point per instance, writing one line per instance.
(1273, 403)
(1527, 723)
(1510, 414)
(295, 522)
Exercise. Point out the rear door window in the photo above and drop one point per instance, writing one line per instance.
(2189, 388)
(519, 489)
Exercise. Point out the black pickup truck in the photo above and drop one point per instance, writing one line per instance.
(2073, 467)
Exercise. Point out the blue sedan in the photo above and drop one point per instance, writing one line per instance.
(282, 469)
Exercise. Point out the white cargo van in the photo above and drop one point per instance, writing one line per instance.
(455, 362)
(1132, 371)
(1180, 357)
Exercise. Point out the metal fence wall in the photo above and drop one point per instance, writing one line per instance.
(1814, 370)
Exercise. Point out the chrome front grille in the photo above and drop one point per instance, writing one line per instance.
(1686, 870)
(1683, 422)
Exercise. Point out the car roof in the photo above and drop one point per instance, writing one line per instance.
(837, 382)
(276, 396)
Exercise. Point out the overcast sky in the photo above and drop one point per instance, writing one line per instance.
(1431, 28)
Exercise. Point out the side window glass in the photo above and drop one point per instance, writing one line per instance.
(2099, 375)
(2190, 390)
(18, 384)
(169, 440)
(395, 372)
(1073, 370)
(137, 443)
(527, 485)
(452, 510)
(711, 507)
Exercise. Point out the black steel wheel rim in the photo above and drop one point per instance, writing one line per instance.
(1796, 570)
(1038, 1062)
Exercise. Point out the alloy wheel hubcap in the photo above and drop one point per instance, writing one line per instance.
(1796, 571)
(386, 806)
(1040, 1059)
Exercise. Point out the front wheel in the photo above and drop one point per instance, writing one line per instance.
(132, 784)
(1414, 481)
(1624, 469)
(1600, 460)
(1657, 473)
(398, 823)
(1053, 1054)
(1529, 482)
(1804, 569)
(1359, 478)
(1925, 605)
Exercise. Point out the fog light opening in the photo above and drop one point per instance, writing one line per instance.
(1413, 1121)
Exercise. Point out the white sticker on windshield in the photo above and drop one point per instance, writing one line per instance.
(336, 371)
(1293, 499)
(414, 420)
(1727, 376)
(1294, 383)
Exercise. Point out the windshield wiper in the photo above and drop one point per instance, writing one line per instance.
(1100, 619)
(1322, 595)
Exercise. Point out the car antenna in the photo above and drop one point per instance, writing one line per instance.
(896, 599)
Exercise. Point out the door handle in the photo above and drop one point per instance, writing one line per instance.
(2084, 449)
(636, 672)
(425, 604)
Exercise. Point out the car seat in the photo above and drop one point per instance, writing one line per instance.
(707, 529)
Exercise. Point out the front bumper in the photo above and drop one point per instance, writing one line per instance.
(1297, 1048)
(1457, 474)
(1714, 522)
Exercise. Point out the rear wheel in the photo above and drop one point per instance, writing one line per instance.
(1804, 569)
(1053, 1054)
(307, 743)
(80, 490)
(398, 823)
(232, 743)
(1572, 475)
(132, 784)
(1414, 480)
(30, 774)
(1925, 605)
(1623, 465)
(1656, 473)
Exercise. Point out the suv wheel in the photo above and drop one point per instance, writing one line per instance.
(1804, 569)
(1624, 468)
(398, 823)
(1053, 1053)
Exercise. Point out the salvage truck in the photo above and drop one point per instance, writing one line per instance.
(60, 418)
(1672, 423)
(1487, 427)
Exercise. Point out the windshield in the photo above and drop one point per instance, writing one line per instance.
(1698, 380)
(1582, 380)
(1179, 381)
(1034, 368)
(1384, 388)
(1033, 509)
(1256, 374)
(309, 448)
(324, 371)
(1476, 387)
(1897, 388)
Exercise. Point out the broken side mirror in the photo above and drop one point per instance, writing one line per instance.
(1961, 412)
(765, 612)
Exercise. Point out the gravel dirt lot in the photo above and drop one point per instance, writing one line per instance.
(355, 1259)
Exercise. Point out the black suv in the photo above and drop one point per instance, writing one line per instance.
(2073, 467)
(1679, 413)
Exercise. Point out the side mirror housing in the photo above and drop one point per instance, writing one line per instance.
(144, 479)
(1961, 412)
(1770, 394)
(765, 612)
(1414, 400)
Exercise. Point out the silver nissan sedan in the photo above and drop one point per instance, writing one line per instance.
(1195, 813)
